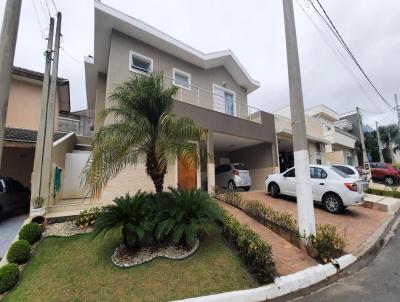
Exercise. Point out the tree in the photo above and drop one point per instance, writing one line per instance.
(141, 127)
(371, 143)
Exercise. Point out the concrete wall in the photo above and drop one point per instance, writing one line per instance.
(61, 147)
(258, 160)
(74, 165)
(100, 100)
(335, 158)
(18, 163)
(118, 70)
(24, 105)
(314, 126)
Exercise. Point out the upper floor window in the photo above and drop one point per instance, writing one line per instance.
(140, 63)
(182, 79)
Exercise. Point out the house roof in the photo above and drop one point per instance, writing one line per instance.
(62, 85)
(26, 135)
(108, 19)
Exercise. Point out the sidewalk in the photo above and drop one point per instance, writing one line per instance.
(9, 228)
(288, 258)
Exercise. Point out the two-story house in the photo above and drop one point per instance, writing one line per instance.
(22, 121)
(213, 90)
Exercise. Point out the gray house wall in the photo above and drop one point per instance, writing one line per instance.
(118, 69)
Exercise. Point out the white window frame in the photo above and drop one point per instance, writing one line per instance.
(216, 86)
(177, 83)
(140, 56)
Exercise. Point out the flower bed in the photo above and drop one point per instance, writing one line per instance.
(65, 229)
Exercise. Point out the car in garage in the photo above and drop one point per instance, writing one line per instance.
(13, 196)
(331, 188)
(232, 176)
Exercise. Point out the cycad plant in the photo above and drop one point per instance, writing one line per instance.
(134, 215)
(184, 214)
(140, 126)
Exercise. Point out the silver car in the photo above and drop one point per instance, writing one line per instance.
(232, 176)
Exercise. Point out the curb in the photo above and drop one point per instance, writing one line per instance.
(309, 279)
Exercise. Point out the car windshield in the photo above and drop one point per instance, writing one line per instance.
(341, 173)
(240, 167)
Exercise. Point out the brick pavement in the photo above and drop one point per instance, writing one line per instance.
(358, 222)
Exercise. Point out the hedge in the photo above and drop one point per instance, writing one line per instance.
(256, 253)
(379, 192)
(19, 252)
(30, 232)
(9, 275)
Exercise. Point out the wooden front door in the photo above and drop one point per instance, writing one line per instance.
(187, 176)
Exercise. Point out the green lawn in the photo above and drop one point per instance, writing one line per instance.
(80, 269)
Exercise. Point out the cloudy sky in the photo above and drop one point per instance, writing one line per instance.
(254, 30)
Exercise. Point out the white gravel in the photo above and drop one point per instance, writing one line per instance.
(65, 229)
(121, 257)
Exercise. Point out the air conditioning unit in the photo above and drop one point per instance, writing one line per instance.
(321, 147)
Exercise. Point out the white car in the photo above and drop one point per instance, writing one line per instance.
(331, 187)
(355, 173)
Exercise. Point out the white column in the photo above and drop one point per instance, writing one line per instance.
(210, 163)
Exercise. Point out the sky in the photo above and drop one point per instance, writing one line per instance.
(254, 30)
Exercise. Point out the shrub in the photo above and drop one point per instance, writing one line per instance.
(391, 193)
(256, 253)
(9, 274)
(19, 252)
(327, 242)
(257, 210)
(87, 218)
(134, 215)
(184, 214)
(30, 232)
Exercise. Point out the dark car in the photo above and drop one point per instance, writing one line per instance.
(385, 172)
(13, 196)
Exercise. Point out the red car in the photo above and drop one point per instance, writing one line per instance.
(385, 172)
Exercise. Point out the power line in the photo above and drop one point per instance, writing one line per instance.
(337, 53)
(55, 6)
(43, 9)
(48, 9)
(69, 55)
(336, 33)
(38, 20)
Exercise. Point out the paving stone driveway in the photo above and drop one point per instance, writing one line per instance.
(358, 222)
(9, 228)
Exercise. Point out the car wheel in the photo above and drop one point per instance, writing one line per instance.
(274, 190)
(247, 188)
(231, 186)
(389, 181)
(333, 204)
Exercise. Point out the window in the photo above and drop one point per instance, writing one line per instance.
(240, 167)
(222, 169)
(342, 174)
(140, 63)
(290, 173)
(224, 100)
(318, 173)
(182, 79)
(2, 188)
(382, 166)
(346, 170)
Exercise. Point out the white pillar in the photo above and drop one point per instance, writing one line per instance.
(210, 163)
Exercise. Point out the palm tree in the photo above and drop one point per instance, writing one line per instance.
(141, 127)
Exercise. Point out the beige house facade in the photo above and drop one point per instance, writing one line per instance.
(329, 138)
(213, 90)
(22, 121)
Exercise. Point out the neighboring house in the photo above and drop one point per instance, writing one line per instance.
(22, 121)
(315, 138)
(329, 139)
(213, 91)
(341, 148)
(79, 122)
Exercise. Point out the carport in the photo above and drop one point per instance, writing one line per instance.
(257, 155)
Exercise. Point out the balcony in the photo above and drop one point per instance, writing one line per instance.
(226, 103)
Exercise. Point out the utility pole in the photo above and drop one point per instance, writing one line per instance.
(48, 138)
(305, 206)
(398, 110)
(38, 163)
(379, 144)
(364, 151)
(8, 40)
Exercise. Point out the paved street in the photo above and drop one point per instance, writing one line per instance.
(9, 228)
(379, 281)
